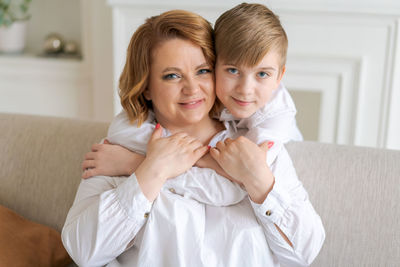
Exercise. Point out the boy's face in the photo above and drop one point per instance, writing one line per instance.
(243, 90)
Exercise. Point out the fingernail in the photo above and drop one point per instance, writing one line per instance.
(209, 147)
(270, 144)
(157, 125)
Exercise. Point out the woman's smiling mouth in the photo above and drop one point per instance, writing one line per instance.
(192, 104)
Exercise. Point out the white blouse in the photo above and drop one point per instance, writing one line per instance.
(198, 219)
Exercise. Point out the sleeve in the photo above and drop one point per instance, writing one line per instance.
(105, 217)
(126, 134)
(275, 121)
(288, 207)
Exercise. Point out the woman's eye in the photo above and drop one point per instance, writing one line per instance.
(233, 70)
(170, 76)
(263, 74)
(204, 71)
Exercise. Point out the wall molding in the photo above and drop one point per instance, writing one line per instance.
(353, 46)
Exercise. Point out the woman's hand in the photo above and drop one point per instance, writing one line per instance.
(207, 161)
(110, 160)
(246, 162)
(167, 157)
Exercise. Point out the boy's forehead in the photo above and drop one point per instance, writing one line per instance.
(270, 60)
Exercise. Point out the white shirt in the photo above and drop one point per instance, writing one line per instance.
(185, 226)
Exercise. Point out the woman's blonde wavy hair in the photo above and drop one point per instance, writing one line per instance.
(135, 75)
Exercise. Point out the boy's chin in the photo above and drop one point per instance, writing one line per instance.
(242, 114)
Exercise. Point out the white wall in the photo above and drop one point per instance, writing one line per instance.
(343, 65)
(66, 87)
(343, 53)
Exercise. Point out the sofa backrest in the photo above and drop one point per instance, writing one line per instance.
(40, 164)
(356, 191)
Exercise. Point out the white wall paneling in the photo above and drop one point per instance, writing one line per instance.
(348, 51)
(44, 87)
(334, 79)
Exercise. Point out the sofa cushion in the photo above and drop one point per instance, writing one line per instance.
(25, 243)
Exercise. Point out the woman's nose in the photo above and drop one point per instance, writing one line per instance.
(190, 86)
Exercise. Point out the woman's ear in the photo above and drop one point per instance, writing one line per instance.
(146, 94)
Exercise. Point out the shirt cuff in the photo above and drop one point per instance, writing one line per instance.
(273, 207)
(132, 199)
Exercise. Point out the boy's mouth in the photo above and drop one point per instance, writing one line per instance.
(241, 102)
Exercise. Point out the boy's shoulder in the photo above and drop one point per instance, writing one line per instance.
(122, 122)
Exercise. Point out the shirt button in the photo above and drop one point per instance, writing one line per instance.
(268, 213)
(172, 190)
(146, 215)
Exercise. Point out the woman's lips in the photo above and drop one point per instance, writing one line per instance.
(192, 104)
(242, 103)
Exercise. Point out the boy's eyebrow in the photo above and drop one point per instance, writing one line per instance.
(260, 68)
(268, 68)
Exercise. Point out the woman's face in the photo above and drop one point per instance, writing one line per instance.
(181, 84)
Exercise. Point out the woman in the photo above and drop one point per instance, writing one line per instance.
(105, 224)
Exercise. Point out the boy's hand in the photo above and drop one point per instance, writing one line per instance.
(245, 162)
(209, 162)
(110, 160)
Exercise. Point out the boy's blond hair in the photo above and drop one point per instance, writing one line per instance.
(246, 33)
(169, 25)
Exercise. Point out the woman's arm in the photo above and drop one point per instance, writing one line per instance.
(108, 212)
(293, 229)
(106, 216)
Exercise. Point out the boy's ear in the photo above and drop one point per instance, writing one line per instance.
(146, 94)
(281, 73)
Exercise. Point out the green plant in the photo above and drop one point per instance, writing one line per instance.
(13, 10)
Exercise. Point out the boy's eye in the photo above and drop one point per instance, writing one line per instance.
(233, 70)
(263, 74)
(170, 76)
(204, 71)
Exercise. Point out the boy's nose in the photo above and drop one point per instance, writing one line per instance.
(245, 86)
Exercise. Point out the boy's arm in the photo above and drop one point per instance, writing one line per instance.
(110, 160)
(118, 159)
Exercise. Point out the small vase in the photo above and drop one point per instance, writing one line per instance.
(12, 38)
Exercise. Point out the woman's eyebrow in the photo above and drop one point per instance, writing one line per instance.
(204, 65)
(171, 69)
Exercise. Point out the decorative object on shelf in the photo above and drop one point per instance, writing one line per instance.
(55, 46)
(71, 48)
(13, 23)
(53, 43)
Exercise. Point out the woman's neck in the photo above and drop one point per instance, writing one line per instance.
(203, 130)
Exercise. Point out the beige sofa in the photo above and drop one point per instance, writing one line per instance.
(355, 190)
